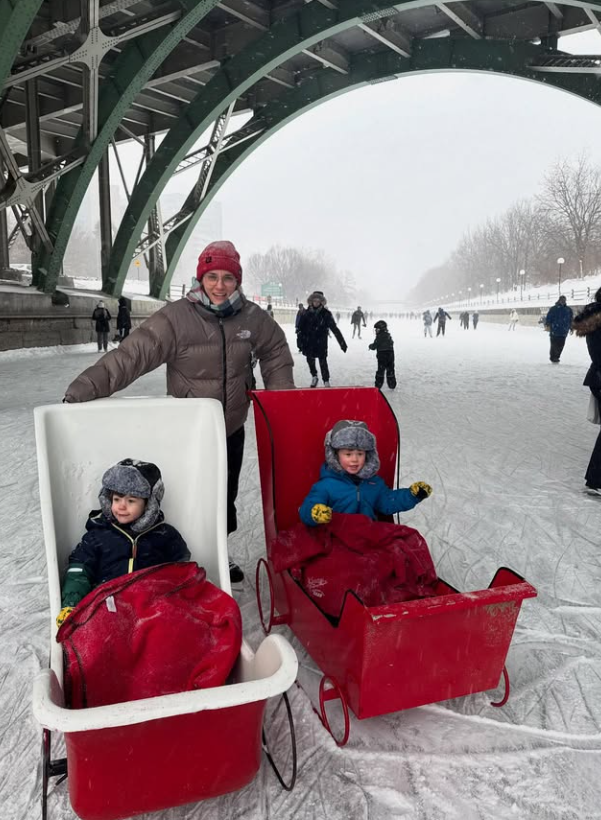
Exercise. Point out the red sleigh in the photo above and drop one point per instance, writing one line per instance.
(454, 644)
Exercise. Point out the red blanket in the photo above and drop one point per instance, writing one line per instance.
(153, 632)
(381, 563)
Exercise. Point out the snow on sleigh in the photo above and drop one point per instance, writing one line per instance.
(190, 745)
(454, 643)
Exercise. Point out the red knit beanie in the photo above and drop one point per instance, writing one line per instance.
(219, 256)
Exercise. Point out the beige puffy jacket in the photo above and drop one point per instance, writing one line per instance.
(206, 357)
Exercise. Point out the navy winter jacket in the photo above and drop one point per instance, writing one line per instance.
(559, 320)
(345, 494)
(108, 550)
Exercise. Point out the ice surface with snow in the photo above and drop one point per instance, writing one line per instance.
(502, 436)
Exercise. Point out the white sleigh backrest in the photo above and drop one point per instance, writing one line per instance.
(76, 443)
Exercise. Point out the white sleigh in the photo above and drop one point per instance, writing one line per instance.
(150, 754)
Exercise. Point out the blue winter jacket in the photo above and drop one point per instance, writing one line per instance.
(559, 320)
(344, 494)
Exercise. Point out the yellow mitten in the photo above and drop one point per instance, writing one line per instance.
(321, 514)
(63, 615)
(421, 490)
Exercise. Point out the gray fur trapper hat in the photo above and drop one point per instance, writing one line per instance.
(352, 435)
(141, 479)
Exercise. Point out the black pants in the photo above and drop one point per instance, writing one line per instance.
(441, 328)
(593, 471)
(323, 366)
(356, 329)
(557, 345)
(103, 339)
(235, 452)
(123, 333)
(386, 366)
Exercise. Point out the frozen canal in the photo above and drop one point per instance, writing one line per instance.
(502, 436)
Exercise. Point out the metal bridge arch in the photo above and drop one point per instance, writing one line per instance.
(251, 53)
(371, 70)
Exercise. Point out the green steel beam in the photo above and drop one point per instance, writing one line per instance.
(17, 17)
(429, 55)
(131, 71)
(286, 38)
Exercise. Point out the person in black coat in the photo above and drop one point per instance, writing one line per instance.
(123, 319)
(312, 336)
(588, 324)
(102, 318)
(358, 319)
(384, 347)
(441, 317)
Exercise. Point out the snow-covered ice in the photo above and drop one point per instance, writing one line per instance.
(502, 436)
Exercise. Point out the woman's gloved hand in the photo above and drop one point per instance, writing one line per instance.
(321, 514)
(421, 490)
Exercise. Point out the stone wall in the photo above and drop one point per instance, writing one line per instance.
(29, 318)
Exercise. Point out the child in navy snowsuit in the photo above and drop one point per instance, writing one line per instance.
(384, 347)
(127, 533)
(349, 482)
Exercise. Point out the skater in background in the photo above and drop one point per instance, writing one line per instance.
(514, 318)
(441, 317)
(102, 319)
(269, 310)
(358, 319)
(428, 321)
(123, 319)
(558, 322)
(384, 347)
(588, 325)
(475, 319)
(312, 336)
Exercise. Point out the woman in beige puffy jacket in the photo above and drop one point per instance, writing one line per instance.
(206, 341)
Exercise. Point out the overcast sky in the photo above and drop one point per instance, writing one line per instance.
(386, 179)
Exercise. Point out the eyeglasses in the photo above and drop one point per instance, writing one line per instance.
(226, 279)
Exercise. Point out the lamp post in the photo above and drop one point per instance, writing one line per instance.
(482, 294)
(469, 293)
(522, 274)
(498, 280)
(560, 262)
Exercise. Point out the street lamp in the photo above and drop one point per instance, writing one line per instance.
(498, 283)
(481, 294)
(469, 293)
(560, 262)
(522, 274)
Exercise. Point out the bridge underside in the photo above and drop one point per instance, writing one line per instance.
(81, 77)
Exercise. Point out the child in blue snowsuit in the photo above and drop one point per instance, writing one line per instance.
(349, 482)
